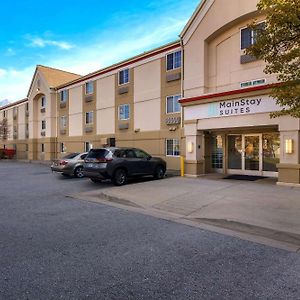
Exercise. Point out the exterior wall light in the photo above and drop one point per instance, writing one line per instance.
(289, 146)
(190, 147)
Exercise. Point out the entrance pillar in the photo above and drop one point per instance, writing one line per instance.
(195, 147)
(289, 166)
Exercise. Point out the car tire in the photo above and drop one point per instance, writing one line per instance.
(120, 177)
(95, 180)
(159, 172)
(78, 172)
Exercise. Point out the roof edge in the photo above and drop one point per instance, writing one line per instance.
(14, 103)
(123, 63)
(229, 93)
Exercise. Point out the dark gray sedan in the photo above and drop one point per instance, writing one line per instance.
(70, 165)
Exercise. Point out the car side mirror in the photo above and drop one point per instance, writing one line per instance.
(149, 157)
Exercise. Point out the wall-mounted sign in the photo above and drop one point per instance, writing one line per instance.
(229, 108)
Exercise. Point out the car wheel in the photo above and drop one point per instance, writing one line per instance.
(78, 173)
(159, 172)
(95, 180)
(120, 177)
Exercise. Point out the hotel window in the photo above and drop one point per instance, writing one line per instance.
(62, 148)
(248, 35)
(88, 146)
(89, 117)
(4, 114)
(63, 122)
(124, 76)
(172, 147)
(43, 148)
(27, 106)
(43, 125)
(89, 87)
(63, 96)
(173, 106)
(124, 112)
(43, 101)
(174, 60)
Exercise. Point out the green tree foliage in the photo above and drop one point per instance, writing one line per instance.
(278, 44)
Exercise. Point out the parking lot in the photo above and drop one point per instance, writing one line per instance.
(56, 247)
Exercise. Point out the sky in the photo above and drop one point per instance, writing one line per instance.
(81, 36)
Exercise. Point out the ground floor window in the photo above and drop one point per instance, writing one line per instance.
(62, 147)
(271, 151)
(43, 148)
(26, 147)
(172, 147)
(217, 152)
(88, 146)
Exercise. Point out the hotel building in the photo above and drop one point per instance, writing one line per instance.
(222, 125)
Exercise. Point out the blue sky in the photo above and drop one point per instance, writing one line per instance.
(81, 36)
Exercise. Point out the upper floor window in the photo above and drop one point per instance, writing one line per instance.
(89, 117)
(27, 106)
(124, 76)
(63, 96)
(4, 114)
(174, 60)
(89, 87)
(124, 112)
(43, 101)
(63, 122)
(173, 106)
(248, 35)
(43, 124)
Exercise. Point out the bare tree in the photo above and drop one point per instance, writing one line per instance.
(4, 130)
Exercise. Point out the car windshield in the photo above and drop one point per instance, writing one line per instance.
(97, 153)
(71, 155)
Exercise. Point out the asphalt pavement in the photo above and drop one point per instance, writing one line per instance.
(56, 247)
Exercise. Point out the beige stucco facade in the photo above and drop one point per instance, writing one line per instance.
(223, 125)
(226, 102)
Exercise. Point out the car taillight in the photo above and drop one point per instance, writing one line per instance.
(63, 162)
(103, 159)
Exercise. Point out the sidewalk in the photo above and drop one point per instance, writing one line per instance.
(261, 208)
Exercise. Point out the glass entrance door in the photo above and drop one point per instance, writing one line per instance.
(252, 152)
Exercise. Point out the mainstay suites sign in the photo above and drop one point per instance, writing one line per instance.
(229, 108)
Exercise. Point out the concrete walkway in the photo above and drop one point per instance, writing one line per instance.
(258, 208)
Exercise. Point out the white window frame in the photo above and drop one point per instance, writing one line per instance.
(85, 86)
(63, 124)
(173, 112)
(120, 84)
(62, 93)
(119, 116)
(43, 122)
(89, 112)
(62, 147)
(43, 103)
(168, 155)
(252, 34)
(166, 58)
(86, 148)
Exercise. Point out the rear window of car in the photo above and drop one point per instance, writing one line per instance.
(97, 153)
(71, 155)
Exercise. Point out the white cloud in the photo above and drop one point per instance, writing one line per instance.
(2, 72)
(42, 43)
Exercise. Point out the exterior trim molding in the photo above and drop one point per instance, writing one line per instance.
(229, 93)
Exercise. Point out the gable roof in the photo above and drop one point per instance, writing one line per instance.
(54, 77)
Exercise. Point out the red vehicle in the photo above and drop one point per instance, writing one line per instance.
(7, 153)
